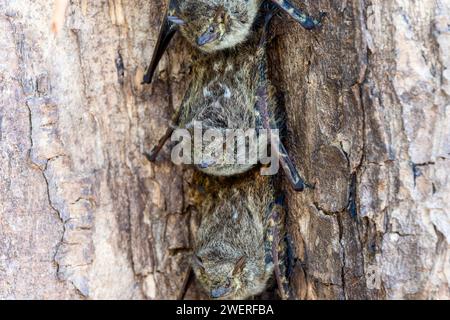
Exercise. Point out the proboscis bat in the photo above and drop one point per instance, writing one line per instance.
(230, 90)
(213, 25)
(240, 243)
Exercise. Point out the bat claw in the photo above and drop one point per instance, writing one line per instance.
(147, 79)
(299, 186)
(152, 155)
(297, 182)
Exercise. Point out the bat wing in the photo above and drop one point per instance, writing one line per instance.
(169, 27)
(301, 17)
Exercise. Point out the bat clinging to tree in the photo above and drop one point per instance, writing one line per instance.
(230, 90)
(240, 243)
(213, 25)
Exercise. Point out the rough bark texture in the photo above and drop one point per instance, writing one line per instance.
(84, 215)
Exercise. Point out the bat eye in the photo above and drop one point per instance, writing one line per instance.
(211, 29)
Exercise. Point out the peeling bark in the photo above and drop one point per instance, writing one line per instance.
(84, 215)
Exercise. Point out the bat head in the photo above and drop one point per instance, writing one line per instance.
(225, 278)
(219, 277)
(210, 25)
(229, 257)
(213, 25)
(227, 155)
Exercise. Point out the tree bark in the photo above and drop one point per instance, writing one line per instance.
(83, 214)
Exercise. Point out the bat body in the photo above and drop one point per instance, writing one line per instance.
(230, 90)
(223, 96)
(240, 243)
(214, 25)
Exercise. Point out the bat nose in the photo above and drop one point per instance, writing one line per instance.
(206, 164)
(219, 292)
(206, 38)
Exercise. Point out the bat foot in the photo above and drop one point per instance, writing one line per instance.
(301, 186)
(310, 186)
(311, 23)
(152, 155)
(147, 79)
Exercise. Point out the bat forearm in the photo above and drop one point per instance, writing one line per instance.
(301, 17)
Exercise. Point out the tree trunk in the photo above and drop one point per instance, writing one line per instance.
(83, 214)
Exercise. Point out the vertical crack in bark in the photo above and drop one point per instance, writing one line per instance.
(58, 247)
(120, 67)
(358, 91)
(139, 277)
(30, 90)
(352, 207)
(344, 263)
(43, 171)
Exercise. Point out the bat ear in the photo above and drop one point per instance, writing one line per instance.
(221, 14)
(239, 265)
(176, 20)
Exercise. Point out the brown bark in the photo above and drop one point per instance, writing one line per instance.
(84, 215)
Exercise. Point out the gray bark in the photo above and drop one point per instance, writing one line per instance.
(84, 215)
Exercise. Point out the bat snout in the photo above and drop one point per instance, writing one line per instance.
(206, 38)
